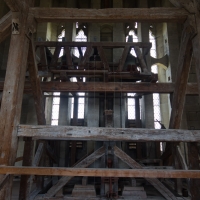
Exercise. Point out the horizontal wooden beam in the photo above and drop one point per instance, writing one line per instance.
(124, 87)
(96, 172)
(107, 134)
(110, 14)
(112, 87)
(95, 44)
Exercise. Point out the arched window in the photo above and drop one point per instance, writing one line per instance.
(135, 39)
(156, 97)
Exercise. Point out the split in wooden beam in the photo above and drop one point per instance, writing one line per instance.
(107, 134)
(110, 14)
(97, 172)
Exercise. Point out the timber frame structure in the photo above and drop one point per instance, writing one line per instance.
(21, 23)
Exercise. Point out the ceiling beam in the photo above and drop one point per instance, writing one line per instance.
(96, 172)
(106, 134)
(125, 87)
(110, 15)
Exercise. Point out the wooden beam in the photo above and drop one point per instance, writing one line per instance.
(134, 165)
(86, 55)
(103, 57)
(107, 134)
(123, 87)
(94, 44)
(141, 60)
(110, 14)
(5, 21)
(96, 172)
(84, 163)
(111, 87)
(25, 183)
(184, 63)
(36, 86)
(123, 59)
(12, 99)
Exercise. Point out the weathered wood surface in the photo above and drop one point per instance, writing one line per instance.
(35, 85)
(25, 183)
(184, 64)
(192, 88)
(103, 57)
(84, 163)
(95, 44)
(97, 172)
(5, 21)
(38, 154)
(106, 134)
(12, 100)
(110, 14)
(134, 165)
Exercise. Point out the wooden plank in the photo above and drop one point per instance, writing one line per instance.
(123, 59)
(96, 172)
(184, 63)
(107, 134)
(141, 60)
(110, 14)
(84, 163)
(5, 21)
(12, 100)
(36, 86)
(103, 57)
(111, 87)
(134, 165)
(116, 87)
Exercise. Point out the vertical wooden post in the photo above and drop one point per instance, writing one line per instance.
(178, 101)
(12, 98)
